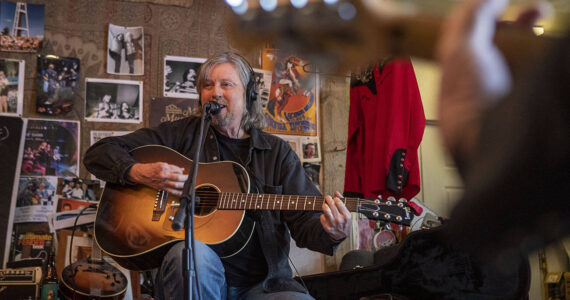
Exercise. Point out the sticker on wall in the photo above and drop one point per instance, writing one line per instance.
(180, 74)
(11, 86)
(58, 81)
(109, 100)
(51, 148)
(22, 26)
(125, 53)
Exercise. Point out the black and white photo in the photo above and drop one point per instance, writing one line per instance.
(125, 53)
(180, 74)
(11, 86)
(109, 100)
(263, 82)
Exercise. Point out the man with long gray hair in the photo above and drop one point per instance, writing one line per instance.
(259, 268)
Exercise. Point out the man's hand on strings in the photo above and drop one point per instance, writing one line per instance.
(161, 176)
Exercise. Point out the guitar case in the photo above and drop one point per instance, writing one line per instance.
(424, 266)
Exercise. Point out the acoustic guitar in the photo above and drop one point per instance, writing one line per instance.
(92, 278)
(134, 223)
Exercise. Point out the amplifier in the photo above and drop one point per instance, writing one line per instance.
(20, 284)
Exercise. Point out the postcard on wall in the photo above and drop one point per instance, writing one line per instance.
(263, 82)
(51, 148)
(292, 107)
(311, 150)
(125, 53)
(164, 109)
(22, 26)
(293, 141)
(36, 199)
(58, 81)
(117, 101)
(11, 86)
(180, 74)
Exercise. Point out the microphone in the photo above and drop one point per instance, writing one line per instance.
(213, 108)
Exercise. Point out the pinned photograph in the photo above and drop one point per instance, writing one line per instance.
(51, 148)
(11, 86)
(108, 100)
(22, 26)
(36, 199)
(125, 55)
(58, 81)
(180, 74)
(263, 83)
(311, 149)
(294, 141)
(79, 189)
(313, 170)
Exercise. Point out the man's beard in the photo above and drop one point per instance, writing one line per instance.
(223, 121)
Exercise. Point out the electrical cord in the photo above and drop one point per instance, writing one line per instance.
(73, 233)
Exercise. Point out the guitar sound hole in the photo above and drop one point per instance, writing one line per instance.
(208, 200)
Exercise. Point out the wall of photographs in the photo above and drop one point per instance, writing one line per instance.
(78, 71)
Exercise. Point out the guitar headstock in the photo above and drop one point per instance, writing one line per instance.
(353, 33)
(390, 210)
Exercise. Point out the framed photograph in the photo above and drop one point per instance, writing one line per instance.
(36, 199)
(180, 74)
(11, 86)
(263, 82)
(58, 81)
(51, 148)
(26, 36)
(117, 101)
(310, 149)
(125, 53)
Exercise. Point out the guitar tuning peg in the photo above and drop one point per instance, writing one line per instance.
(391, 198)
(403, 200)
(380, 197)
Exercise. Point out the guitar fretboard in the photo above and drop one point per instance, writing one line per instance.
(277, 202)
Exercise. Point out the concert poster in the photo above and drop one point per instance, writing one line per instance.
(57, 84)
(163, 109)
(36, 199)
(22, 26)
(125, 53)
(11, 86)
(31, 244)
(51, 148)
(180, 75)
(293, 101)
(110, 100)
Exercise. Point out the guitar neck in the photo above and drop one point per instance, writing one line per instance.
(240, 201)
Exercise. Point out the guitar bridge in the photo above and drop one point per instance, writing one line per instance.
(159, 205)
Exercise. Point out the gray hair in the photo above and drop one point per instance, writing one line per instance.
(252, 118)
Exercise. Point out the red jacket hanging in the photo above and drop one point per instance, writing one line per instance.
(385, 128)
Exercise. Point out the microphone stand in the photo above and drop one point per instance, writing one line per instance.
(186, 212)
